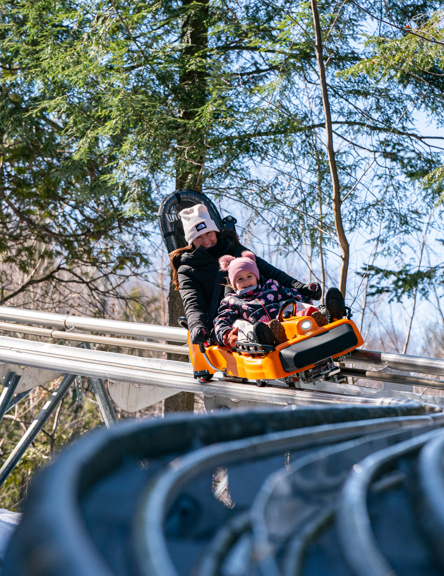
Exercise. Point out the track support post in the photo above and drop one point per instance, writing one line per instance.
(106, 407)
(31, 433)
(8, 392)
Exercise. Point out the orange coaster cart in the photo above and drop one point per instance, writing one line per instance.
(308, 354)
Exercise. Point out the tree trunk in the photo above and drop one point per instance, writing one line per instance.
(192, 93)
(343, 242)
(184, 401)
(415, 294)
(190, 157)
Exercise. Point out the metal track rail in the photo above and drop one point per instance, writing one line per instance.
(103, 340)
(87, 324)
(395, 378)
(85, 504)
(151, 371)
(400, 362)
(356, 532)
(184, 482)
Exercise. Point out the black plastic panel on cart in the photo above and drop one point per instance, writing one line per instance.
(318, 347)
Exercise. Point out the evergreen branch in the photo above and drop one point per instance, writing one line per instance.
(393, 25)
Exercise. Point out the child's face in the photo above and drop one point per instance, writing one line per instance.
(245, 280)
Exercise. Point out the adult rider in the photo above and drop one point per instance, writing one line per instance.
(197, 276)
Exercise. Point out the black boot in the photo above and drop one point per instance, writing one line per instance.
(262, 334)
(334, 307)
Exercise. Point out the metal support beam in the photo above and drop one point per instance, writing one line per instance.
(8, 393)
(36, 426)
(105, 405)
(17, 398)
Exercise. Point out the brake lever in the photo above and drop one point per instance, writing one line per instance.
(204, 345)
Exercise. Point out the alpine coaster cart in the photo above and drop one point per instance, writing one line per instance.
(307, 355)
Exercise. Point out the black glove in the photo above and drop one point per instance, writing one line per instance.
(312, 291)
(199, 335)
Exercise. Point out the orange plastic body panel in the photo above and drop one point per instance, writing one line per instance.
(267, 367)
(197, 359)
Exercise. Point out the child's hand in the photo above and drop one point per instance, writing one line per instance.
(231, 337)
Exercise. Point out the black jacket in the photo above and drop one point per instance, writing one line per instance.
(198, 271)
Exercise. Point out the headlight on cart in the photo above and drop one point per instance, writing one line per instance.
(306, 324)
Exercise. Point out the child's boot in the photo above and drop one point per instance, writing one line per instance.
(278, 331)
(319, 318)
(262, 334)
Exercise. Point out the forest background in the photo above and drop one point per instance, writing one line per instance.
(316, 124)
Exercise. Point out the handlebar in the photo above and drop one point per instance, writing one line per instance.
(284, 305)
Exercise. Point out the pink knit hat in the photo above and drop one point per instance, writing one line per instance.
(234, 266)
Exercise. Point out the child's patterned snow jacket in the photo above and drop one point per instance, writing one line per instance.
(260, 305)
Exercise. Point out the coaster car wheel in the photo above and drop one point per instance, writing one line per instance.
(203, 376)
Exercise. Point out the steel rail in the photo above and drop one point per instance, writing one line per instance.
(178, 375)
(218, 386)
(87, 324)
(153, 550)
(97, 356)
(68, 322)
(311, 482)
(402, 362)
(156, 372)
(355, 531)
(104, 340)
(431, 481)
(395, 378)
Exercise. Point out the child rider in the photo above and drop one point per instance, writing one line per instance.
(251, 312)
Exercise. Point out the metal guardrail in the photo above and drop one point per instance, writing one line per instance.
(87, 324)
(152, 371)
(230, 493)
(103, 340)
(418, 364)
(401, 362)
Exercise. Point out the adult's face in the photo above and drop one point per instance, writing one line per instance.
(207, 240)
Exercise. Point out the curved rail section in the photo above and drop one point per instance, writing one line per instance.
(321, 490)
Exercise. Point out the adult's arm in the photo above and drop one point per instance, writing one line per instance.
(193, 302)
(267, 270)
